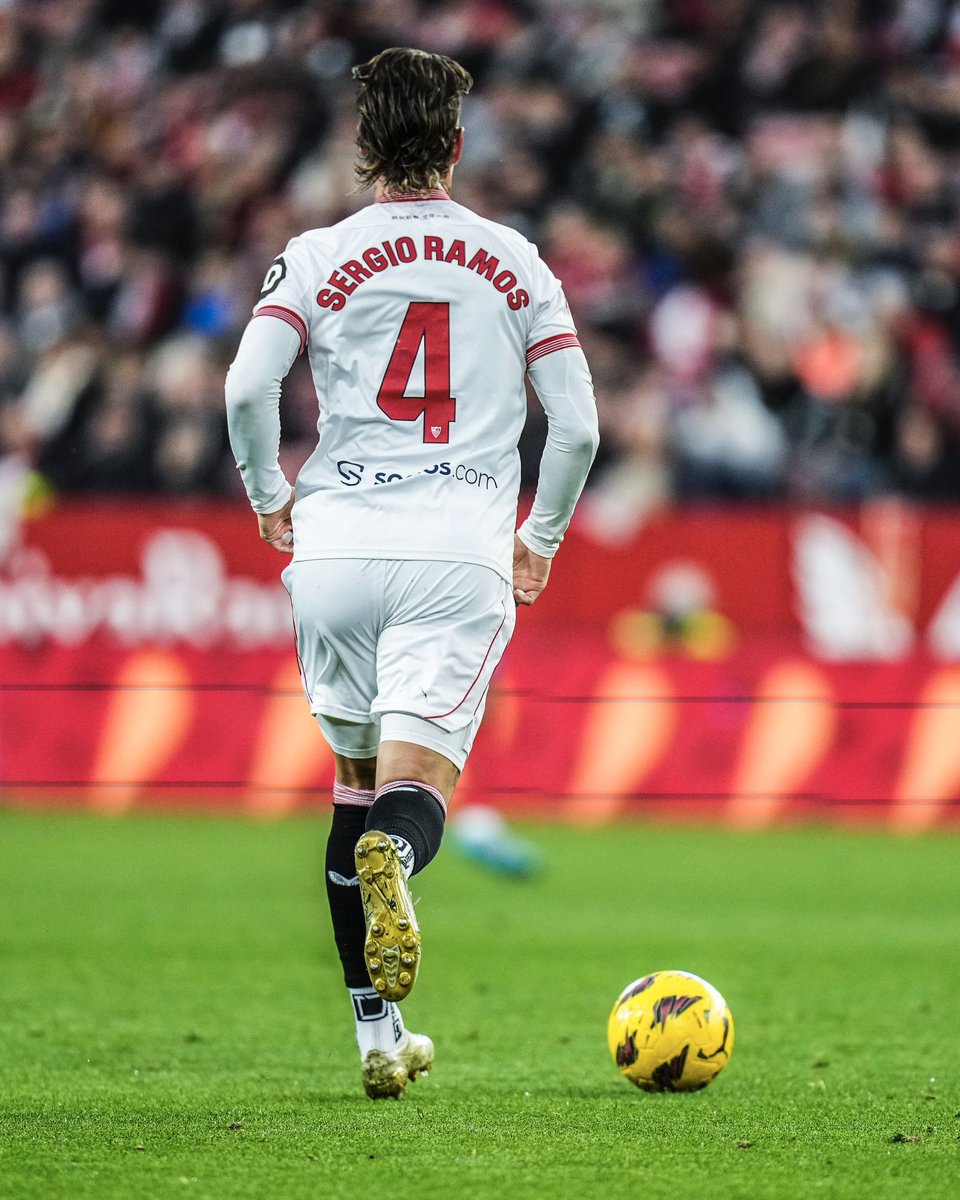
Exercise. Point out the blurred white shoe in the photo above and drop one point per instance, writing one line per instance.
(483, 836)
(386, 1073)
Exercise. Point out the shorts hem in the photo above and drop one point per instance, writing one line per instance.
(334, 720)
(339, 713)
(352, 751)
(417, 730)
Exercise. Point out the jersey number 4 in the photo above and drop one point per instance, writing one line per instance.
(426, 323)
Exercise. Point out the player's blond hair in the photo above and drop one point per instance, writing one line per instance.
(409, 106)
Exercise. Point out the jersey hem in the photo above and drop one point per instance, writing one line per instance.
(431, 555)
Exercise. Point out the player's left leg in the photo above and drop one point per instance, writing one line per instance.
(353, 796)
(390, 1055)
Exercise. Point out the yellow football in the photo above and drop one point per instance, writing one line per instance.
(670, 1032)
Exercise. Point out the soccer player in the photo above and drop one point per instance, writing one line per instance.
(420, 320)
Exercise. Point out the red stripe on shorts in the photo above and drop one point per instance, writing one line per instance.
(437, 716)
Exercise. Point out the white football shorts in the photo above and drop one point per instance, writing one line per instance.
(398, 650)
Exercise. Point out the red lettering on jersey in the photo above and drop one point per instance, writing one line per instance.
(374, 259)
(339, 280)
(328, 299)
(345, 280)
(426, 323)
(457, 253)
(355, 270)
(484, 264)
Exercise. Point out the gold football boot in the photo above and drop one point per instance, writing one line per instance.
(392, 945)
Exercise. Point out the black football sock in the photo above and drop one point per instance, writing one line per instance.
(413, 813)
(343, 890)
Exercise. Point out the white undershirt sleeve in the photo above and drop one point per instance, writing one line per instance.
(564, 387)
(266, 353)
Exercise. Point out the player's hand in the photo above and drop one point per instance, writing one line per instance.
(276, 528)
(530, 573)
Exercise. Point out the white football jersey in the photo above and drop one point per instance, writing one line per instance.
(419, 318)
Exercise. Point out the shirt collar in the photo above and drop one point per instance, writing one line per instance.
(408, 197)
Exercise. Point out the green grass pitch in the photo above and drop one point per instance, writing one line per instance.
(172, 1022)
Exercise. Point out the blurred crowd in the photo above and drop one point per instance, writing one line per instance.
(753, 207)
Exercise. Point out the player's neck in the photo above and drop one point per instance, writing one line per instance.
(383, 194)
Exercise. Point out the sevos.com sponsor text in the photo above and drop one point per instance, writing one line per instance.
(354, 473)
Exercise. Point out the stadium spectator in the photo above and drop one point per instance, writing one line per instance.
(753, 207)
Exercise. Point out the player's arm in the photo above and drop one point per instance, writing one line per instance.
(270, 343)
(561, 379)
(267, 350)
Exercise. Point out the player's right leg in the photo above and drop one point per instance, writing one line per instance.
(404, 827)
(446, 626)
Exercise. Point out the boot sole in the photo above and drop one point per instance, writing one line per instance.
(392, 947)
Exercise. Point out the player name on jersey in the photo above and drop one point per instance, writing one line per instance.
(394, 252)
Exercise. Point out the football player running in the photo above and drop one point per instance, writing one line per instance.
(420, 320)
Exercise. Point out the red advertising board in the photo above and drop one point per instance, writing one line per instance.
(740, 666)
